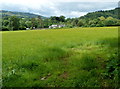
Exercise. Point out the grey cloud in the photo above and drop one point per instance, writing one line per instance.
(86, 6)
(62, 8)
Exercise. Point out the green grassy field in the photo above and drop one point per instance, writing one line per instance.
(76, 57)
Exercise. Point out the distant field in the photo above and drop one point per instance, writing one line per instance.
(76, 57)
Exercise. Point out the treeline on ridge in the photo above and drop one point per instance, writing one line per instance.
(94, 19)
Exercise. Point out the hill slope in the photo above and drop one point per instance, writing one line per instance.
(113, 13)
(19, 14)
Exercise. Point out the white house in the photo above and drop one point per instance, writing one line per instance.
(56, 26)
(27, 28)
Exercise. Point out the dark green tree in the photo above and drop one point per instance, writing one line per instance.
(80, 23)
(22, 24)
(14, 23)
(62, 18)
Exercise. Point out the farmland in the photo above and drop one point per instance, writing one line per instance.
(74, 57)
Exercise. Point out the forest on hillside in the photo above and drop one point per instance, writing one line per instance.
(16, 21)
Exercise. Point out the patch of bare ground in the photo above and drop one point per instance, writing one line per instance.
(64, 75)
(101, 61)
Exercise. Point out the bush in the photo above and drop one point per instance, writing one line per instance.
(4, 28)
(22, 28)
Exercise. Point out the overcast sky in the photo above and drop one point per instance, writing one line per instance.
(68, 8)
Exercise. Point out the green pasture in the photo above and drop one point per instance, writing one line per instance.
(74, 57)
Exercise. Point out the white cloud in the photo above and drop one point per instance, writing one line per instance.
(45, 1)
(77, 13)
(69, 8)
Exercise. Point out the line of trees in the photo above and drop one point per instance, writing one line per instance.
(96, 22)
(15, 23)
(10, 23)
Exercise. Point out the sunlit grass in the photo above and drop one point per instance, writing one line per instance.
(58, 57)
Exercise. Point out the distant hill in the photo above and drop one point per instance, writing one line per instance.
(19, 14)
(113, 13)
